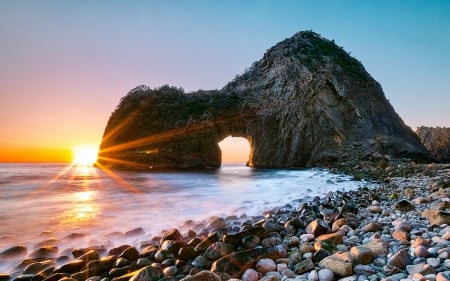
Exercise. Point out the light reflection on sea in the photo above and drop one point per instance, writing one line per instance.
(38, 201)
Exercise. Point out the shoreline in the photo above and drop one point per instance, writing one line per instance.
(285, 238)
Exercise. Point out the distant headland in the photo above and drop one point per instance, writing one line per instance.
(307, 102)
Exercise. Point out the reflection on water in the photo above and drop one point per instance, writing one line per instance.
(83, 210)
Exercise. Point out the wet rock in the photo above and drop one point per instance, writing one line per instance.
(148, 273)
(13, 252)
(218, 250)
(304, 266)
(400, 259)
(265, 265)
(202, 276)
(139, 231)
(148, 251)
(250, 275)
(201, 262)
(45, 252)
(270, 226)
(235, 239)
(113, 252)
(163, 255)
(404, 206)
(423, 269)
(236, 263)
(70, 267)
(205, 243)
(186, 253)
(337, 265)
(317, 227)
(250, 241)
(170, 271)
(89, 256)
(36, 267)
(172, 245)
(173, 235)
(130, 254)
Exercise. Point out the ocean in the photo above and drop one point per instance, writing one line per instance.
(80, 206)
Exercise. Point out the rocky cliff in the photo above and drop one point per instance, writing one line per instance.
(306, 102)
(437, 141)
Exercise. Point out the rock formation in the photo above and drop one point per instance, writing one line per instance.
(437, 141)
(306, 102)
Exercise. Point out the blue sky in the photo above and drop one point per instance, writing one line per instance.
(65, 64)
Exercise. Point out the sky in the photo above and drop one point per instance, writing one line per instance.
(64, 65)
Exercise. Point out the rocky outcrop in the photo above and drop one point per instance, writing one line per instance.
(306, 102)
(437, 141)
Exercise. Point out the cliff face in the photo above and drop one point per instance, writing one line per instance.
(437, 141)
(306, 102)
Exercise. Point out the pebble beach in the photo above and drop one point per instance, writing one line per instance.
(397, 230)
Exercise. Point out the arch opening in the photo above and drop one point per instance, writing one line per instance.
(235, 150)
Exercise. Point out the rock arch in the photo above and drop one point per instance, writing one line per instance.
(306, 102)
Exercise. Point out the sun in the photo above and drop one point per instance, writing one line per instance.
(84, 155)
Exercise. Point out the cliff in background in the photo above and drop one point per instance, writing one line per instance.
(437, 141)
(307, 102)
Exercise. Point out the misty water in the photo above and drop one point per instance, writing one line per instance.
(43, 201)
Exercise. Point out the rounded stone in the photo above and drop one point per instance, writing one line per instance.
(170, 271)
(325, 274)
(250, 275)
(443, 276)
(421, 251)
(265, 265)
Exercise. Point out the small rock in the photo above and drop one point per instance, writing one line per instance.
(400, 259)
(374, 209)
(202, 276)
(313, 275)
(218, 250)
(400, 235)
(421, 252)
(337, 265)
(250, 241)
(135, 232)
(148, 273)
(170, 271)
(325, 274)
(338, 224)
(332, 238)
(15, 251)
(443, 276)
(303, 266)
(404, 206)
(265, 265)
(130, 254)
(201, 262)
(250, 275)
(362, 254)
(186, 253)
(371, 227)
(317, 227)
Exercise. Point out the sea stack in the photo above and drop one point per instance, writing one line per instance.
(307, 102)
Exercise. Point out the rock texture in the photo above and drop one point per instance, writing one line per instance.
(306, 102)
(437, 141)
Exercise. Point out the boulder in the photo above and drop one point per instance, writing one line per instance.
(305, 102)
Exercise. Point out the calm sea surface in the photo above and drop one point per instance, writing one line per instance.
(39, 201)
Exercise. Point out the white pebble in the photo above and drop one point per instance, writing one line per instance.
(433, 262)
(250, 275)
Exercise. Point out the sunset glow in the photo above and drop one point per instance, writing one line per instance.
(84, 155)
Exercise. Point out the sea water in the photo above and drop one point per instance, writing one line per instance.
(49, 202)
